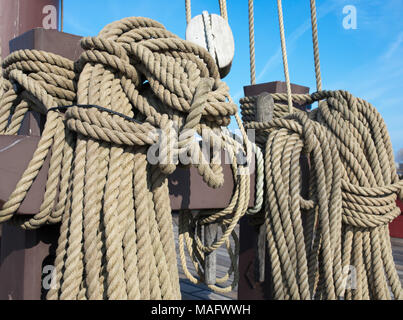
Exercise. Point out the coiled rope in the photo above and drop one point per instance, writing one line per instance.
(315, 43)
(251, 43)
(136, 85)
(284, 54)
(38, 81)
(353, 188)
(333, 244)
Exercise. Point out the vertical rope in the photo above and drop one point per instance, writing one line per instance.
(188, 11)
(61, 15)
(284, 53)
(223, 9)
(252, 43)
(315, 45)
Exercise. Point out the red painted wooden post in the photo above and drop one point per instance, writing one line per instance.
(19, 16)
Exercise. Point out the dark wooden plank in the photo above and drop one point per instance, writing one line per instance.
(61, 43)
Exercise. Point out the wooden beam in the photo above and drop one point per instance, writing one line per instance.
(186, 187)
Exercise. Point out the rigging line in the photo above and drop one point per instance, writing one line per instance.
(188, 11)
(223, 9)
(284, 53)
(251, 43)
(315, 45)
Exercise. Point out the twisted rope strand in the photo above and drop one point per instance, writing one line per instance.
(284, 54)
(315, 45)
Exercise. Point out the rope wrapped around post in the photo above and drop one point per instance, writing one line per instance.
(342, 226)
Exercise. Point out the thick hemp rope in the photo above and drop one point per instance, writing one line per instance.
(36, 80)
(251, 43)
(284, 54)
(135, 86)
(343, 225)
(315, 43)
(341, 229)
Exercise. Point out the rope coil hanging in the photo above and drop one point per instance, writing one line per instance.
(314, 241)
(133, 81)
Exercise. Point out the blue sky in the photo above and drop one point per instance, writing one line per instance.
(366, 61)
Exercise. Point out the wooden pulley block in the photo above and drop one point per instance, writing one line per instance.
(213, 33)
